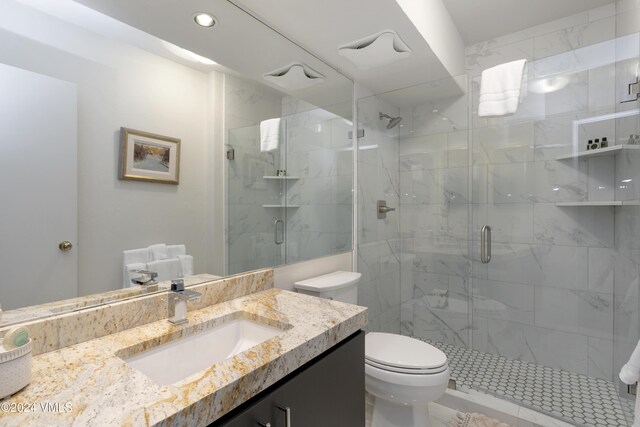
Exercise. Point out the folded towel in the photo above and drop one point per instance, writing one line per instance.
(269, 135)
(630, 372)
(126, 279)
(186, 265)
(502, 88)
(159, 252)
(136, 256)
(174, 250)
(167, 269)
(475, 420)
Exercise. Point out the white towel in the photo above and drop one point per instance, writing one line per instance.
(136, 256)
(186, 265)
(269, 135)
(502, 88)
(630, 374)
(174, 250)
(167, 269)
(159, 252)
(126, 279)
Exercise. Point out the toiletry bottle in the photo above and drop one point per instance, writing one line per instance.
(589, 144)
(605, 143)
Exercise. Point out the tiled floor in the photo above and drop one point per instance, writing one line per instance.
(440, 415)
(577, 399)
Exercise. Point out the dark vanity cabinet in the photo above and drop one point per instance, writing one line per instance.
(328, 391)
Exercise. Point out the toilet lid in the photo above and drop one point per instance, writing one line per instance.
(405, 353)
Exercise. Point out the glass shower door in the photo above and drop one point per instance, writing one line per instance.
(256, 199)
(627, 220)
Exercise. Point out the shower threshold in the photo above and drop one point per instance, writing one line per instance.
(574, 398)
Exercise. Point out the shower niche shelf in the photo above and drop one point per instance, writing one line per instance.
(280, 206)
(275, 177)
(605, 203)
(609, 151)
(602, 152)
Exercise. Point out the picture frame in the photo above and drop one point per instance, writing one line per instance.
(146, 156)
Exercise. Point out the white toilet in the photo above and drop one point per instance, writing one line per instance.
(402, 373)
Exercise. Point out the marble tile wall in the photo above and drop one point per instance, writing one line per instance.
(249, 226)
(379, 248)
(320, 153)
(559, 276)
(434, 216)
(316, 151)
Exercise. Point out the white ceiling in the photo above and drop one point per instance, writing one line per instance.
(323, 26)
(237, 41)
(480, 20)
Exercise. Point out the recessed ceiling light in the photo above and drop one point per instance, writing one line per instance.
(204, 19)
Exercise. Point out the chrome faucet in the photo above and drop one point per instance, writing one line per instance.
(178, 297)
(146, 279)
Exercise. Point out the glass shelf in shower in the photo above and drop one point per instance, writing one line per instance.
(280, 206)
(609, 151)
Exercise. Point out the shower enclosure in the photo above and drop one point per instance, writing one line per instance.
(551, 317)
(292, 203)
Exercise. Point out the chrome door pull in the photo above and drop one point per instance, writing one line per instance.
(383, 209)
(276, 241)
(485, 244)
(287, 413)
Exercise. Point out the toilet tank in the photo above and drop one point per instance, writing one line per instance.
(339, 286)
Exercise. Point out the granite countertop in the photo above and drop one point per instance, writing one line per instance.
(25, 314)
(88, 384)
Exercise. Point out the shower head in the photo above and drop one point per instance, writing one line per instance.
(393, 121)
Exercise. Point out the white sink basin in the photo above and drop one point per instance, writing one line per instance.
(176, 360)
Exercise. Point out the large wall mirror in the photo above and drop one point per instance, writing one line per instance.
(264, 154)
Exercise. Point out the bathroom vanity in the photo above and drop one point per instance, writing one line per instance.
(311, 361)
(328, 391)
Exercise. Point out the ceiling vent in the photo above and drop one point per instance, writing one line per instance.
(294, 76)
(376, 50)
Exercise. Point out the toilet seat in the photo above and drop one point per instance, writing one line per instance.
(410, 371)
(404, 355)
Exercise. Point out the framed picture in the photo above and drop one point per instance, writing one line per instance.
(149, 157)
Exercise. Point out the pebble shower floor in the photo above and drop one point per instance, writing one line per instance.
(574, 398)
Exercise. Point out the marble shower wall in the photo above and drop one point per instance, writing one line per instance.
(434, 215)
(558, 274)
(379, 252)
(249, 226)
(320, 153)
(316, 153)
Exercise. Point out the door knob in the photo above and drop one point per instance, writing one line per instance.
(65, 246)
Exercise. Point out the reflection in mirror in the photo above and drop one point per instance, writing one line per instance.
(289, 194)
(71, 78)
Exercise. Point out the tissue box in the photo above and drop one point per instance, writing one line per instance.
(15, 369)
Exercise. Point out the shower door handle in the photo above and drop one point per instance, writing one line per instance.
(275, 238)
(485, 244)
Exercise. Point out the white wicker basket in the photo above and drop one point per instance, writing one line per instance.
(15, 369)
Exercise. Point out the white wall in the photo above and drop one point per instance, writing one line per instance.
(119, 85)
